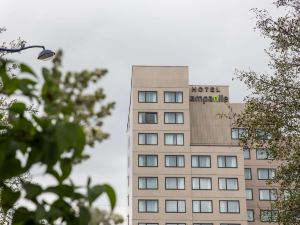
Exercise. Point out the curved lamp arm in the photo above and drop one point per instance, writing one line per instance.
(21, 49)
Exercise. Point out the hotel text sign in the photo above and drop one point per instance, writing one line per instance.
(207, 94)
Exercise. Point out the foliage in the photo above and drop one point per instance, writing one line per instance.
(272, 112)
(102, 217)
(71, 112)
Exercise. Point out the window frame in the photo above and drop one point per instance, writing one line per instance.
(176, 183)
(165, 134)
(146, 138)
(240, 129)
(268, 210)
(175, 200)
(198, 156)
(225, 157)
(249, 189)
(250, 173)
(253, 212)
(155, 113)
(199, 178)
(268, 173)
(146, 178)
(269, 190)
(227, 212)
(148, 223)
(175, 117)
(211, 202)
(175, 92)
(268, 155)
(227, 178)
(156, 200)
(246, 148)
(176, 162)
(146, 156)
(146, 97)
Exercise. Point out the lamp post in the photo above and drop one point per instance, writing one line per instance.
(45, 54)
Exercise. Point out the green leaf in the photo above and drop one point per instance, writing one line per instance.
(8, 198)
(111, 195)
(18, 107)
(98, 190)
(26, 69)
(84, 216)
(32, 190)
(62, 190)
(66, 168)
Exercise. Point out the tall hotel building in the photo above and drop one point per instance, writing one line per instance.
(185, 164)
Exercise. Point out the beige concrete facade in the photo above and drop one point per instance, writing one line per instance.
(205, 133)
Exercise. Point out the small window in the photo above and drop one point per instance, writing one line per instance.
(148, 160)
(228, 184)
(227, 162)
(174, 117)
(263, 135)
(174, 161)
(267, 194)
(230, 224)
(173, 139)
(246, 152)
(266, 174)
(147, 223)
(174, 183)
(203, 224)
(147, 139)
(249, 194)
(148, 183)
(173, 96)
(147, 117)
(262, 153)
(268, 215)
(229, 206)
(201, 183)
(202, 206)
(250, 215)
(201, 161)
(175, 224)
(175, 206)
(148, 206)
(248, 174)
(239, 133)
(147, 96)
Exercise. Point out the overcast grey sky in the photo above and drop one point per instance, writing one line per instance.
(212, 37)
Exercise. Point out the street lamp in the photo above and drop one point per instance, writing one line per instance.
(45, 54)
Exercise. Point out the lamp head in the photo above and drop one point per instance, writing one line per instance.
(46, 55)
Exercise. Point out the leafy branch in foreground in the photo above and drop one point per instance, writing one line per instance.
(71, 112)
(274, 105)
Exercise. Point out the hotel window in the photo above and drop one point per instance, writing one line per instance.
(201, 183)
(175, 206)
(246, 152)
(175, 224)
(266, 174)
(250, 215)
(174, 183)
(148, 206)
(248, 174)
(268, 215)
(147, 223)
(249, 194)
(263, 135)
(268, 194)
(262, 153)
(173, 139)
(147, 139)
(173, 96)
(201, 161)
(230, 224)
(228, 184)
(174, 117)
(147, 117)
(227, 162)
(202, 223)
(148, 183)
(229, 206)
(147, 96)
(148, 160)
(202, 206)
(239, 133)
(174, 161)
